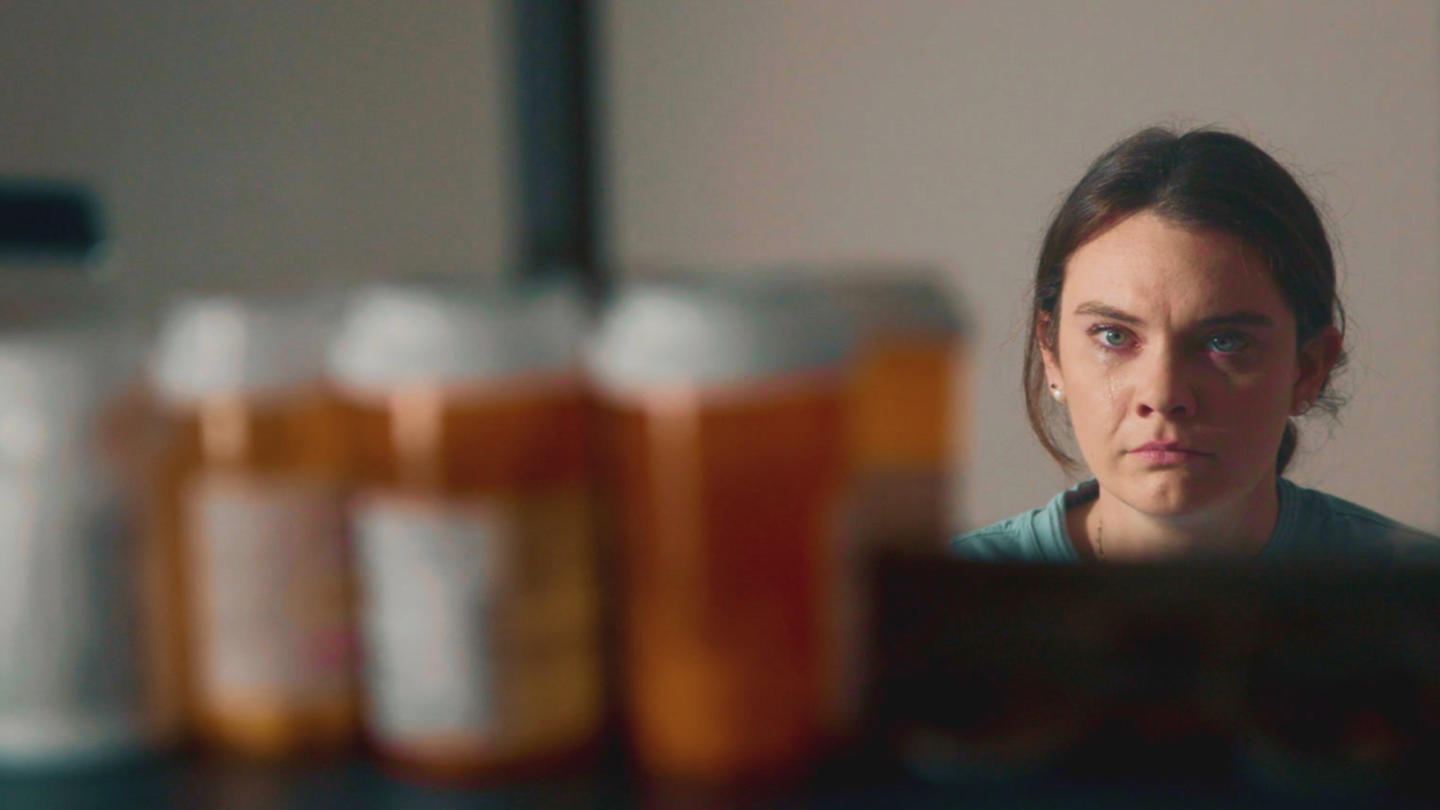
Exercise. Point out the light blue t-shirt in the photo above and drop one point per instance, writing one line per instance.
(1310, 525)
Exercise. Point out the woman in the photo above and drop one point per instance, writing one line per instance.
(1184, 313)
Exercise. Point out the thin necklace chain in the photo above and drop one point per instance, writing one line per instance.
(1100, 538)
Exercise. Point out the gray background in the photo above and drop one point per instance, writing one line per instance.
(334, 140)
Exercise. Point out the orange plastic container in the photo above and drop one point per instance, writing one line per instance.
(909, 398)
(470, 438)
(910, 405)
(725, 452)
(248, 502)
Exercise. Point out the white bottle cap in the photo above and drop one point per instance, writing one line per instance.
(897, 303)
(876, 296)
(447, 334)
(52, 387)
(233, 345)
(664, 334)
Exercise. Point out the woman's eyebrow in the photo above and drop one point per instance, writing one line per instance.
(1105, 311)
(1240, 318)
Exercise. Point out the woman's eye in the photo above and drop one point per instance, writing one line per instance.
(1114, 338)
(1227, 343)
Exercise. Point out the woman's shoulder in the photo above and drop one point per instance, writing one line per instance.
(1315, 523)
(1014, 538)
(1038, 535)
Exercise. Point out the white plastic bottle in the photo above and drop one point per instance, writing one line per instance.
(73, 668)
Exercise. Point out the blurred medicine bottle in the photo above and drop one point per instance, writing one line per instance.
(910, 403)
(74, 674)
(248, 505)
(472, 516)
(725, 410)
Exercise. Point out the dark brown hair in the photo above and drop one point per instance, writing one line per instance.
(1202, 179)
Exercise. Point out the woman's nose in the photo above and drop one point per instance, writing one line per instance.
(1164, 386)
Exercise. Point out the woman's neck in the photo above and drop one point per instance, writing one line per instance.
(1114, 530)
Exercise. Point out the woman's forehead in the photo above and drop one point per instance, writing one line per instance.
(1146, 262)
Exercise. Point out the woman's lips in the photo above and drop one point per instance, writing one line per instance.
(1167, 454)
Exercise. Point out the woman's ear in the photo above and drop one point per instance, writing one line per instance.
(1312, 365)
(1044, 338)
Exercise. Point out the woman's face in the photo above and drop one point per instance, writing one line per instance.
(1177, 357)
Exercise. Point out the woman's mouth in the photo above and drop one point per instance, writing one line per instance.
(1167, 454)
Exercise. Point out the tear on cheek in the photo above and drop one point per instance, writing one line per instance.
(1114, 392)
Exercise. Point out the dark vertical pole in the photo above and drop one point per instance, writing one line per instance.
(555, 84)
(557, 89)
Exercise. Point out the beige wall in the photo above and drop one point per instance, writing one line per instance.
(237, 137)
(347, 138)
(947, 131)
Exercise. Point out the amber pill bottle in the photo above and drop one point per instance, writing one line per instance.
(724, 424)
(248, 504)
(472, 517)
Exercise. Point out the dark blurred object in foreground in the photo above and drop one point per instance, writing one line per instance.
(1301, 680)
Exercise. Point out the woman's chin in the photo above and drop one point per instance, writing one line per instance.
(1172, 494)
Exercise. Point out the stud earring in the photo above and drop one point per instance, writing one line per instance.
(1057, 394)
